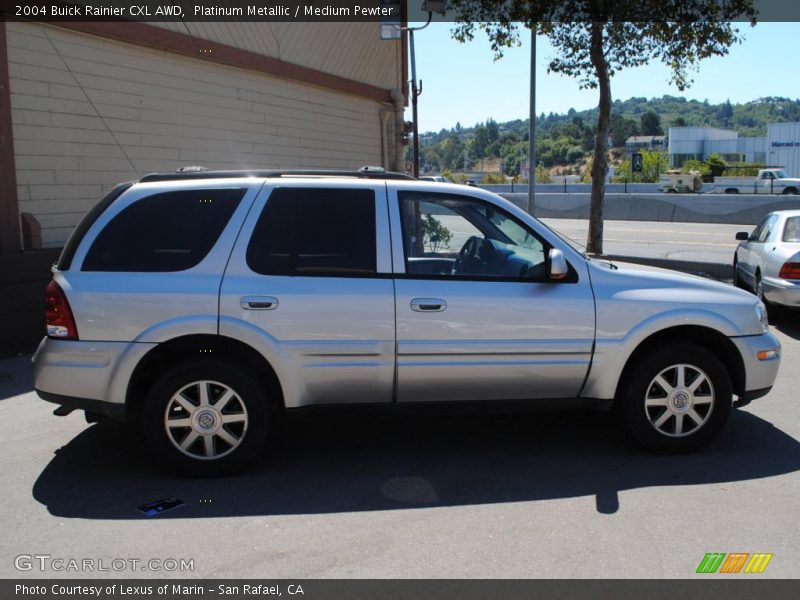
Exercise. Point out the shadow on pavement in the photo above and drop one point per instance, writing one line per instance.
(16, 376)
(788, 322)
(364, 464)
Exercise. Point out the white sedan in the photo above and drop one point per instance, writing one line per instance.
(767, 261)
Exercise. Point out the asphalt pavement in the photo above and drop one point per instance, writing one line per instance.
(694, 242)
(540, 495)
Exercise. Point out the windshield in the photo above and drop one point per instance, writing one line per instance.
(574, 244)
(780, 174)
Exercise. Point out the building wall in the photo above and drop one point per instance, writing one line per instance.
(350, 50)
(783, 147)
(89, 112)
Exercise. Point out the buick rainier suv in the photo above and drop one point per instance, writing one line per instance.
(203, 305)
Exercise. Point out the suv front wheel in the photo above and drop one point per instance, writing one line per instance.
(677, 399)
(206, 418)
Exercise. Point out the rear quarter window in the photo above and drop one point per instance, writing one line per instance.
(170, 231)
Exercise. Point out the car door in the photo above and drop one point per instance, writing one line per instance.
(744, 253)
(477, 317)
(311, 271)
(758, 246)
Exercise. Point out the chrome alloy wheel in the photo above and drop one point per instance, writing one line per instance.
(679, 400)
(206, 420)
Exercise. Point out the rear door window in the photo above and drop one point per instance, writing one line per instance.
(315, 231)
(170, 231)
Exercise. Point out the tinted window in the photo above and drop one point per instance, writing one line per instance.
(314, 231)
(65, 259)
(171, 231)
(457, 236)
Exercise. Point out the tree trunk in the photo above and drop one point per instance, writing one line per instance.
(594, 242)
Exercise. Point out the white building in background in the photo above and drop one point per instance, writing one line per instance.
(783, 147)
(780, 147)
(698, 143)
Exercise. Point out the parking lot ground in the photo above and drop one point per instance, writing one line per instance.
(535, 495)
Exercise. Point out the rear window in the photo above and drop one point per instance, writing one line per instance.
(791, 232)
(315, 231)
(171, 231)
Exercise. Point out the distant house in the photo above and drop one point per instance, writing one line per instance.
(650, 142)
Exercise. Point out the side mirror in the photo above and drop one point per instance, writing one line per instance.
(557, 268)
(742, 236)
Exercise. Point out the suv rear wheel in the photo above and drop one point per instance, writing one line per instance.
(206, 418)
(677, 399)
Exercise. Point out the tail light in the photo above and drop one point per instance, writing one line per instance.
(790, 270)
(60, 322)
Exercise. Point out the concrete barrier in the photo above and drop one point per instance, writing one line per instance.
(572, 188)
(739, 209)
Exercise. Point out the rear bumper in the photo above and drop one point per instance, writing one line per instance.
(759, 374)
(91, 376)
(781, 291)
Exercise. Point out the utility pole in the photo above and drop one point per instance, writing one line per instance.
(414, 94)
(532, 127)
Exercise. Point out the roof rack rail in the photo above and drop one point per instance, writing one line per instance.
(196, 173)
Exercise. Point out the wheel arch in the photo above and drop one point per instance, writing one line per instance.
(177, 350)
(711, 339)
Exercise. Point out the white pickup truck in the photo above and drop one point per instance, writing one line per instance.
(768, 181)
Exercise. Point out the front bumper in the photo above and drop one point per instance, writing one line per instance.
(760, 375)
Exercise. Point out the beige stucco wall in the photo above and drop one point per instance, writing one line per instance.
(89, 112)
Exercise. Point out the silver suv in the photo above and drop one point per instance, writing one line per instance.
(202, 305)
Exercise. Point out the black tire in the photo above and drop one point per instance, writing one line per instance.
(790, 191)
(731, 191)
(248, 399)
(639, 419)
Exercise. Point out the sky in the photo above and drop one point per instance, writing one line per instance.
(462, 82)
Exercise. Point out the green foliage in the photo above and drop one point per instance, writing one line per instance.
(699, 166)
(653, 164)
(743, 169)
(434, 234)
(716, 166)
(557, 135)
(492, 178)
(543, 175)
(651, 124)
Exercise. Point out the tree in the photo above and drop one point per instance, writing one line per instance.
(651, 124)
(679, 122)
(725, 113)
(593, 39)
(622, 129)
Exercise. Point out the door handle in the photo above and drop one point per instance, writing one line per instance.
(428, 304)
(258, 302)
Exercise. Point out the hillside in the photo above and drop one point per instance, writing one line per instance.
(567, 139)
